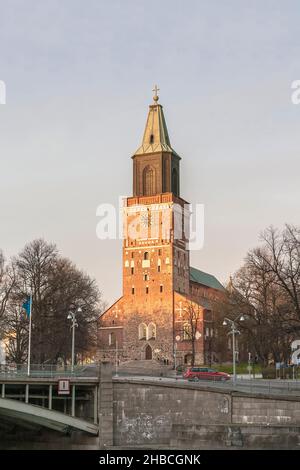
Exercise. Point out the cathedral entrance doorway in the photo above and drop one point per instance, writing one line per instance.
(148, 352)
(188, 359)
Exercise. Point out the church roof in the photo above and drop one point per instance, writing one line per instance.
(156, 136)
(205, 279)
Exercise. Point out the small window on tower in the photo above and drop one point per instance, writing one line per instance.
(151, 139)
(132, 270)
(132, 290)
(161, 288)
(132, 254)
(111, 339)
(159, 252)
(147, 290)
(146, 255)
(159, 268)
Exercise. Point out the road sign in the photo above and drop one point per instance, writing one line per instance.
(64, 387)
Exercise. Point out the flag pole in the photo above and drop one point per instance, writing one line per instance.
(29, 339)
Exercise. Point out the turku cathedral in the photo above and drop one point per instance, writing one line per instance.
(165, 312)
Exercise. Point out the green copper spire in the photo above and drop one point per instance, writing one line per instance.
(156, 137)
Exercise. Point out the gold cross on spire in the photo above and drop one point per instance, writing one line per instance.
(155, 97)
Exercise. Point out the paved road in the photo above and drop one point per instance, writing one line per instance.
(270, 387)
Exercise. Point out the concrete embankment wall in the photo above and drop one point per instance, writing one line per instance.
(147, 413)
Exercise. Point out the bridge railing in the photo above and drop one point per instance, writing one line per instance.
(46, 370)
(264, 386)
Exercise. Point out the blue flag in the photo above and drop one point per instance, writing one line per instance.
(27, 306)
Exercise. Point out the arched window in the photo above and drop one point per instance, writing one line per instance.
(146, 255)
(111, 339)
(142, 331)
(187, 331)
(175, 185)
(148, 181)
(151, 331)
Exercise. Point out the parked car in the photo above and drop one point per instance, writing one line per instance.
(204, 373)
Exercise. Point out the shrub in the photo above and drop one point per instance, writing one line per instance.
(269, 373)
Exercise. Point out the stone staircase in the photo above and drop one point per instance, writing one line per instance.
(145, 367)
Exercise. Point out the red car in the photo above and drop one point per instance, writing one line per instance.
(204, 373)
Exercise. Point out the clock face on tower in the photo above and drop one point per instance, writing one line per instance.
(146, 220)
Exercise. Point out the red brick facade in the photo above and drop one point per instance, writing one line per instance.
(152, 319)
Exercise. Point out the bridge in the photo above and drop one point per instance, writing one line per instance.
(35, 400)
(137, 411)
(19, 412)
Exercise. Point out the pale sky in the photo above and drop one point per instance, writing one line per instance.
(79, 78)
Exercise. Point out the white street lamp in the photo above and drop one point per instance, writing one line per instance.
(177, 339)
(72, 316)
(233, 332)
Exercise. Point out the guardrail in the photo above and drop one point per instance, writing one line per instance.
(252, 386)
(47, 370)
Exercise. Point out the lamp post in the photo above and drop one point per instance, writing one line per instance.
(233, 332)
(72, 316)
(116, 359)
(177, 339)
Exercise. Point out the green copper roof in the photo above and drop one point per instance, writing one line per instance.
(156, 137)
(205, 279)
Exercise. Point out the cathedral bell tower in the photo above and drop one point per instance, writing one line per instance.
(155, 253)
(155, 163)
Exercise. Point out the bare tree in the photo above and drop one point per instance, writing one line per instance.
(279, 257)
(15, 332)
(191, 326)
(267, 290)
(7, 283)
(57, 287)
